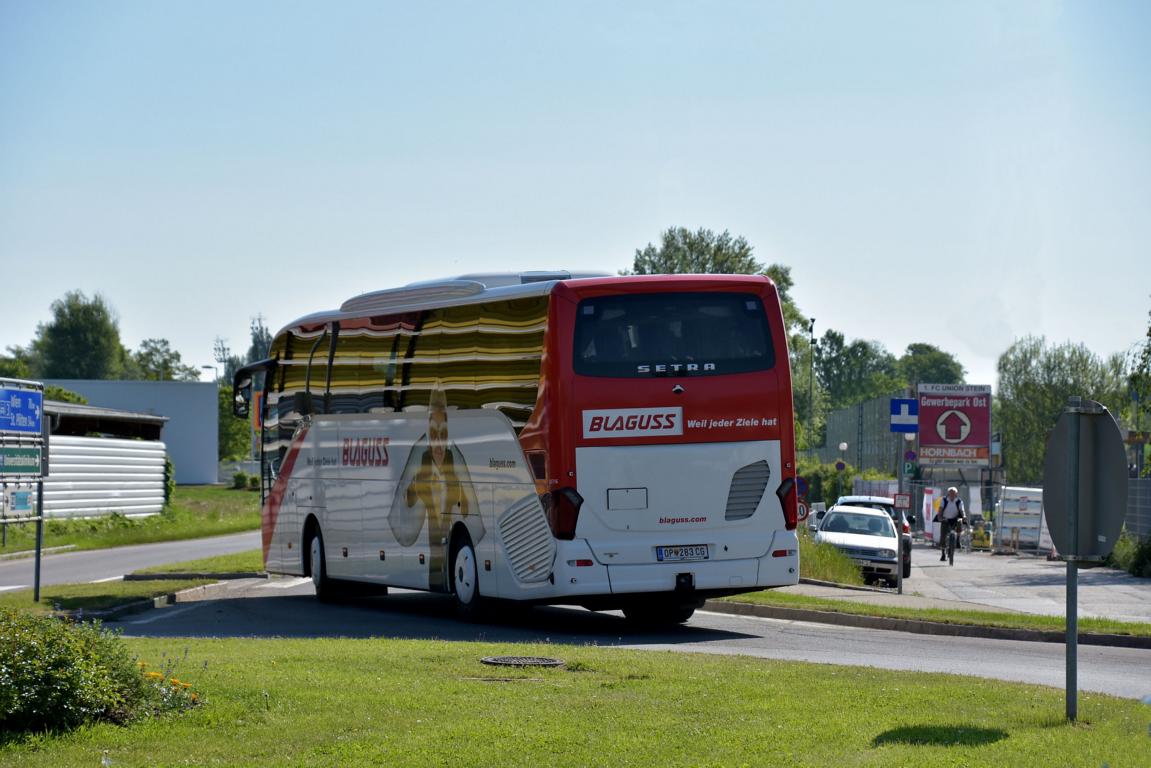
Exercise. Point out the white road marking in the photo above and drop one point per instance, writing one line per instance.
(110, 578)
(285, 583)
(163, 613)
(14, 586)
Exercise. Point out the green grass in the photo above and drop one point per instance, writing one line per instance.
(239, 562)
(431, 703)
(946, 616)
(93, 597)
(195, 512)
(825, 563)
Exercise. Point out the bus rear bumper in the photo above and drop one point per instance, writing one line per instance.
(706, 576)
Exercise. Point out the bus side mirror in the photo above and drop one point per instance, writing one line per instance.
(242, 397)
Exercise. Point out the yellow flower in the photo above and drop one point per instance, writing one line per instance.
(153, 675)
(186, 685)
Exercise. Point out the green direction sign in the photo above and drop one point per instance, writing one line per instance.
(19, 461)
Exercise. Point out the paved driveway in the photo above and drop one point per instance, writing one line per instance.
(1028, 585)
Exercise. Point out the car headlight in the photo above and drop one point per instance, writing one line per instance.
(887, 553)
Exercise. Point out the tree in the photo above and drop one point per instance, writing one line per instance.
(928, 364)
(701, 252)
(81, 342)
(852, 373)
(1035, 382)
(157, 361)
(234, 434)
(261, 340)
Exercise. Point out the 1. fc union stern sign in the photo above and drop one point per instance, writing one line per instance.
(955, 424)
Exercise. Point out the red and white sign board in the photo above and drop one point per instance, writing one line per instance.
(903, 501)
(955, 424)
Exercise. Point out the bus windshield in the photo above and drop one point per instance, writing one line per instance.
(672, 334)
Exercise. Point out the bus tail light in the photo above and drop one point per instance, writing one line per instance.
(786, 494)
(562, 509)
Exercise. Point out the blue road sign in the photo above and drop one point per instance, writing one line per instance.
(904, 415)
(21, 410)
(801, 485)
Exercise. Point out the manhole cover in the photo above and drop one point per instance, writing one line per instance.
(522, 661)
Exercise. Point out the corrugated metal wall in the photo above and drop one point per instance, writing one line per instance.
(1139, 506)
(866, 428)
(89, 476)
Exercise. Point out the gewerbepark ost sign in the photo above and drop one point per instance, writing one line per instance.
(955, 424)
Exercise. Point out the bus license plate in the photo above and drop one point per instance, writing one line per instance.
(683, 552)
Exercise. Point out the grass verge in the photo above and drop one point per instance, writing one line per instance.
(825, 563)
(195, 511)
(239, 562)
(946, 616)
(431, 703)
(93, 597)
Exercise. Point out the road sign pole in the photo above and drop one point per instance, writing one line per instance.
(39, 540)
(1072, 680)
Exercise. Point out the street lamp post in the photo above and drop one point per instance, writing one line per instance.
(840, 466)
(811, 389)
(214, 370)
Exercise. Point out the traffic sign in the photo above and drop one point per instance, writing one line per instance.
(903, 501)
(19, 461)
(955, 424)
(909, 468)
(21, 411)
(802, 512)
(1096, 495)
(801, 486)
(904, 415)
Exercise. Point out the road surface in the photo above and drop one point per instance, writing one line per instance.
(287, 608)
(101, 564)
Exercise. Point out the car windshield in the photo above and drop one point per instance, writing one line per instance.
(850, 522)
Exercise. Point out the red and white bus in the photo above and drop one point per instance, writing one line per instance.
(612, 442)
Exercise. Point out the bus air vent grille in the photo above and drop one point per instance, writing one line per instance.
(747, 488)
(527, 540)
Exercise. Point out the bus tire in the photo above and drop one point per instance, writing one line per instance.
(659, 614)
(318, 568)
(465, 579)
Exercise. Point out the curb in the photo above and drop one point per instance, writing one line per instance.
(185, 575)
(191, 594)
(919, 626)
(27, 553)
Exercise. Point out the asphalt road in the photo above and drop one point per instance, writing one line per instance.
(286, 608)
(100, 564)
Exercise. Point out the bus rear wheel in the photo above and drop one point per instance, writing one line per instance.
(465, 580)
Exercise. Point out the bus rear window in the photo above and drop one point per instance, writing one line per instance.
(672, 334)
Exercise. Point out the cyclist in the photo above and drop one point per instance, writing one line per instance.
(950, 517)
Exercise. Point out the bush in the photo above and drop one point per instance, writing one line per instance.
(169, 479)
(240, 480)
(56, 675)
(253, 482)
(1132, 555)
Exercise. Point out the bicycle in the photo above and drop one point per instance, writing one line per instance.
(953, 536)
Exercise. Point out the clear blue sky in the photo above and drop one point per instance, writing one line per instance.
(960, 173)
